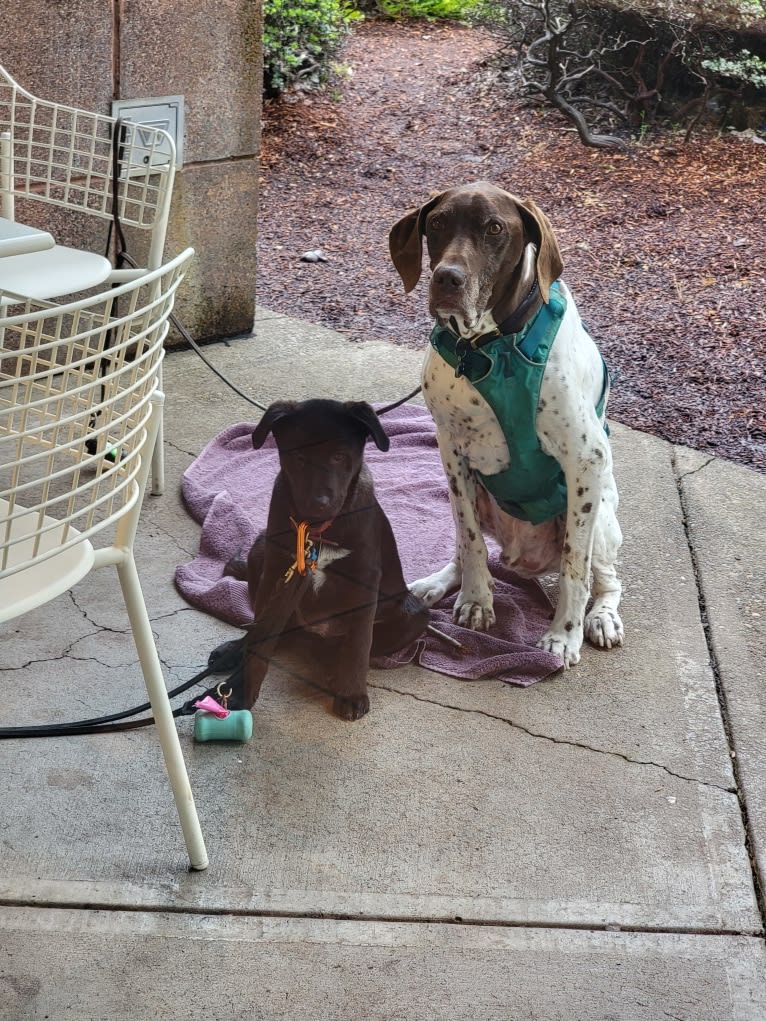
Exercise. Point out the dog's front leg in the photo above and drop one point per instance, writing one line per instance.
(474, 602)
(349, 674)
(352, 591)
(274, 606)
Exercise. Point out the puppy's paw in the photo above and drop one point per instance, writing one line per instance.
(436, 586)
(565, 644)
(236, 567)
(351, 708)
(604, 629)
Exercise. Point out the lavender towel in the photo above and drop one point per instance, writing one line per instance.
(227, 490)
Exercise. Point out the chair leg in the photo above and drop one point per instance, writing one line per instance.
(158, 464)
(163, 716)
(158, 452)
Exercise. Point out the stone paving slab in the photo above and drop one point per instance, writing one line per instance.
(725, 505)
(421, 811)
(129, 965)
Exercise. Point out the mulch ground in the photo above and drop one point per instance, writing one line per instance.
(663, 244)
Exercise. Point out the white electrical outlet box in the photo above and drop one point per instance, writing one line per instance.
(166, 112)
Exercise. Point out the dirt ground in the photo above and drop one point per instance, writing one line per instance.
(664, 244)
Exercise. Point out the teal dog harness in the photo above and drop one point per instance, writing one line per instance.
(507, 370)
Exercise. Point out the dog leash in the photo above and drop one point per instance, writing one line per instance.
(397, 404)
(233, 386)
(223, 659)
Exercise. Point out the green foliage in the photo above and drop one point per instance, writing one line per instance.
(455, 10)
(626, 66)
(300, 41)
(744, 67)
(751, 9)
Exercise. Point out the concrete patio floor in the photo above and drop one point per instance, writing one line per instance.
(590, 848)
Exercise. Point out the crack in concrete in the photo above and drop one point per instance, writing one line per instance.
(693, 471)
(162, 530)
(560, 741)
(181, 450)
(66, 655)
(95, 623)
(171, 613)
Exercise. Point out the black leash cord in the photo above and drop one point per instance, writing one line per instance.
(98, 724)
(402, 400)
(223, 659)
(195, 346)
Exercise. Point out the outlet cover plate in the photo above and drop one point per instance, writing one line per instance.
(166, 112)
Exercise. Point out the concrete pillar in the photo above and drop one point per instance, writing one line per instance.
(87, 52)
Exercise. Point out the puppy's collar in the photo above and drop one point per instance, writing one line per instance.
(315, 531)
(306, 550)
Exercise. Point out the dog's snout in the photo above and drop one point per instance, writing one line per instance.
(449, 277)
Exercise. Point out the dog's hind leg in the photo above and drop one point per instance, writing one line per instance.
(400, 617)
(603, 626)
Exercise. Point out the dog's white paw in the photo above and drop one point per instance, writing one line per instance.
(565, 644)
(436, 586)
(474, 610)
(604, 629)
(474, 616)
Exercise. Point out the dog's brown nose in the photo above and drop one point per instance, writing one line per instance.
(449, 278)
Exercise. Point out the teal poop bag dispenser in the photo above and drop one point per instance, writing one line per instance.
(214, 722)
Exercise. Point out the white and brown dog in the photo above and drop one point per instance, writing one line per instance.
(509, 345)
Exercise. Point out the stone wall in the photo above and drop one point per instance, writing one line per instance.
(87, 52)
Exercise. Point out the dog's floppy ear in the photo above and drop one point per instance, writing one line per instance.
(362, 412)
(405, 242)
(275, 411)
(549, 261)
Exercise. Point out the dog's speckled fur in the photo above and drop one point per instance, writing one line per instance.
(486, 248)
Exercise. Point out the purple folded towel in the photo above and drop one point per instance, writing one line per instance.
(227, 490)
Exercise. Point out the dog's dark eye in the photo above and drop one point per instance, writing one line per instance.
(339, 457)
(436, 223)
(495, 227)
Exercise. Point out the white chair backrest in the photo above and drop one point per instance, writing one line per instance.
(76, 385)
(66, 156)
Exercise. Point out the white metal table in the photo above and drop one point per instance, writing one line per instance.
(18, 239)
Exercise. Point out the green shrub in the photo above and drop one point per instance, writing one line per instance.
(618, 68)
(300, 40)
(743, 68)
(456, 10)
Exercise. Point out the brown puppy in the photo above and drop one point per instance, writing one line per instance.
(327, 568)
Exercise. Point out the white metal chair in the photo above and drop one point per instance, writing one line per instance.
(93, 166)
(79, 411)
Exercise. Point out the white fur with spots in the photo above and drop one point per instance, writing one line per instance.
(583, 542)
